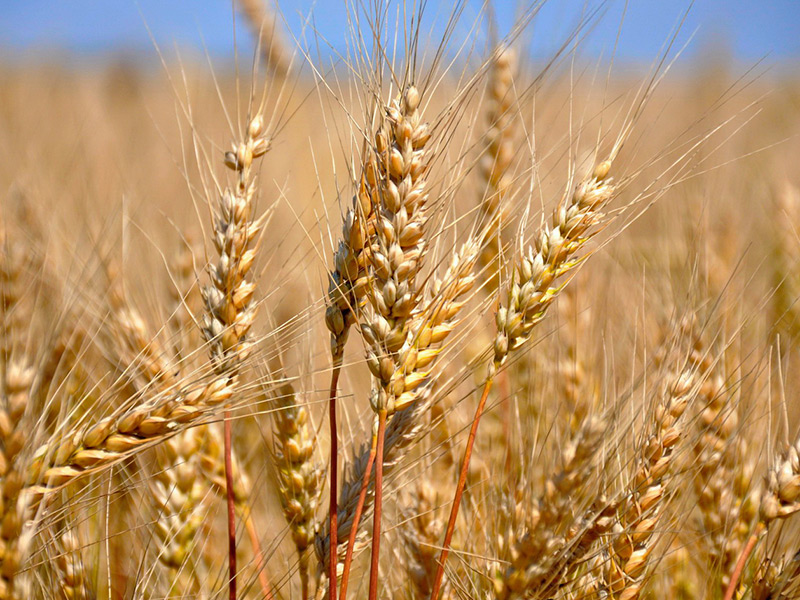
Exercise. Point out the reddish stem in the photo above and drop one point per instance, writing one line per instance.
(504, 388)
(376, 518)
(231, 509)
(334, 508)
(258, 555)
(362, 497)
(462, 481)
(737, 572)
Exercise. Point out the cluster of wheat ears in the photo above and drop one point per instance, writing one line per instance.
(487, 365)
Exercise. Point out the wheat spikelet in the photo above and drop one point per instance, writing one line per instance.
(781, 495)
(779, 581)
(73, 584)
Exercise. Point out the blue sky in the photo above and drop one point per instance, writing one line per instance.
(748, 29)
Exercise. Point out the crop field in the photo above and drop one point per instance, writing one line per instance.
(436, 319)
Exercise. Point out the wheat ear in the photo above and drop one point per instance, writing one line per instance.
(181, 494)
(402, 431)
(537, 566)
(421, 536)
(73, 583)
(395, 259)
(230, 309)
(299, 475)
(641, 512)
(16, 384)
(430, 328)
(529, 297)
(496, 159)
(263, 23)
(723, 480)
(15, 388)
(779, 499)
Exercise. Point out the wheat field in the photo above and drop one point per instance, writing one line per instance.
(438, 320)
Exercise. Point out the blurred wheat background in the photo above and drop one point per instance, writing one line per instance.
(213, 268)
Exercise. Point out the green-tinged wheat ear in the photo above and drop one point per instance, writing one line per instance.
(497, 156)
(785, 264)
(533, 289)
(551, 257)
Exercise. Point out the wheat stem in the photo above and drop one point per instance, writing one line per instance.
(462, 481)
(362, 496)
(231, 504)
(376, 518)
(332, 518)
(737, 571)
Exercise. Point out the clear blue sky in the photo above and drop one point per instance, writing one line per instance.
(749, 29)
